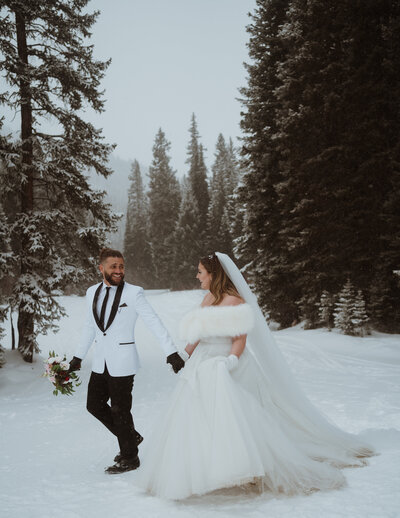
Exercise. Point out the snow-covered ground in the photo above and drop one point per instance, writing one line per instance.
(53, 451)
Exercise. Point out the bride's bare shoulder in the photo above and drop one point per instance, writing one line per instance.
(231, 300)
(228, 300)
(208, 300)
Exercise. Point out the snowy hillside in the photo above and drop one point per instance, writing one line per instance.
(53, 452)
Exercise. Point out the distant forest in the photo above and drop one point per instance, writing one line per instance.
(171, 224)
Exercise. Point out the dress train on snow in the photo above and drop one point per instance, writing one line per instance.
(224, 429)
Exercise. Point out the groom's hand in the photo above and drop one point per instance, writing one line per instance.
(176, 362)
(74, 364)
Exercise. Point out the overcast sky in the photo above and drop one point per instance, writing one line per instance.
(171, 58)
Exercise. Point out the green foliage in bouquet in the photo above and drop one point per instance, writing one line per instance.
(57, 370)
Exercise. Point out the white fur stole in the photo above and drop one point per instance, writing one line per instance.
(216, 321)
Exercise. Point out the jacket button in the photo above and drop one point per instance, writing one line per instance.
(104, 334)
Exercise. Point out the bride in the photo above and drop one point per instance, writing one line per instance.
(237, 416)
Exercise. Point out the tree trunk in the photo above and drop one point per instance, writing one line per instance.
(12, 330)
(26, 342)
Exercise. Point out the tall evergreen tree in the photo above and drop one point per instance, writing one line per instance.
(164, 201)
(343, 312)
(190, 242)
(232, 171)
(187, 243)
(197, 171)
(261, 247)
(325, 309)
(218, 228)
(137, 249)
(349, 314)
(60, 221)
(223, 203)
(360, 317)
(234, 211)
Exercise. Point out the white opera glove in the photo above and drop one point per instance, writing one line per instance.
(231, 362)
(184, 355)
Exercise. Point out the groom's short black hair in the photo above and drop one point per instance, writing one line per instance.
(109, 252)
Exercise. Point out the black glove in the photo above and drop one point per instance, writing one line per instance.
(176, 361)
(74, 364)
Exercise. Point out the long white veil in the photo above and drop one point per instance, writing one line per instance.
(300, 418)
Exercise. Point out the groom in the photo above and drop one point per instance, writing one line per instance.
(112, 310)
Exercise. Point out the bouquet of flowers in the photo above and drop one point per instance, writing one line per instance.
(57, 370)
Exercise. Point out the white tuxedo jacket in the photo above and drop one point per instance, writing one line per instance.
(115, 344)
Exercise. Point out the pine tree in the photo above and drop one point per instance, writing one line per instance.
(187, 241)
(216, 209)
(237, 228)
(262, 248)
(164, 202)
(193, 211)
(232, 170)
(221, 211)
(360, 318)
(350, 314)
(344, 306)
(232, 180)
(198, 172)
(137, 249)
(60, 222)
(325, 309)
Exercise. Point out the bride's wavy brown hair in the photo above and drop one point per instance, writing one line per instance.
(220, 282)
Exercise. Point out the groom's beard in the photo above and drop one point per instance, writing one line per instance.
(114, 281)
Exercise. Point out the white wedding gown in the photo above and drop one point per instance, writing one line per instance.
(223, 428)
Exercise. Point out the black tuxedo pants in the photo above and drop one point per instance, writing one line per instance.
(116, 417)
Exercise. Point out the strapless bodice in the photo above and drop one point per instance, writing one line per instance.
(215, 340)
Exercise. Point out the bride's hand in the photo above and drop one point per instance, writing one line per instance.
(184, 355)
(231, 362)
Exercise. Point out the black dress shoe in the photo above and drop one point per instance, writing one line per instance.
(123, 465)
(138, 439)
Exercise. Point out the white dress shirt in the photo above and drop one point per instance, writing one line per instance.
(111, 296)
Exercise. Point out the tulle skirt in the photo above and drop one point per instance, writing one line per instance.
(221, 429)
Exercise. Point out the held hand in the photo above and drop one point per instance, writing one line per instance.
(184, 355)
(231, 362)
(74, 364)
(176, 362)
